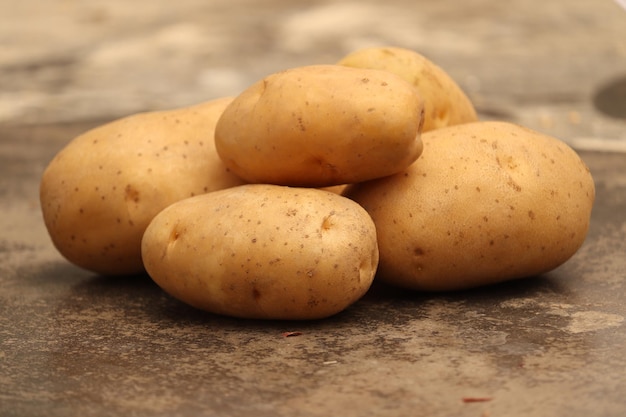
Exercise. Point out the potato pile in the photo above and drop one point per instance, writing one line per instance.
(287, 201)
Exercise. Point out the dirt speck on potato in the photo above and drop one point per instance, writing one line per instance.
(328, 223)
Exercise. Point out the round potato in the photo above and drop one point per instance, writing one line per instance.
(263, 251)
(100, 192)
(486, 202)
(321, 126)
(445, 103)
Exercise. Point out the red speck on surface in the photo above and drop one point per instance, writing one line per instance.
(476, 399)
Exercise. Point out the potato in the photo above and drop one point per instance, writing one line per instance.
(445, 103)
(486, 202)
(263, 251)
(320, 126)
(100, 192)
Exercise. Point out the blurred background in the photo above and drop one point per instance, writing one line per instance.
(558, 66)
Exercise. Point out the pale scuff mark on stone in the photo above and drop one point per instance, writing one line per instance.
(589, 321)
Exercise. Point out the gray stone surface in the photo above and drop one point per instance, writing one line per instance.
(540, 63)
(72, 343)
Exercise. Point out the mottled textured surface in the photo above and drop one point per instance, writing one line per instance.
(555, 65)
(72, 343)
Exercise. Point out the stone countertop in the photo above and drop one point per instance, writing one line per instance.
(72, 343)
(557, 66)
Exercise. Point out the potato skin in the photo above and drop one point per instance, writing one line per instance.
(445, 103)
(320, 126)
(100, 192)
(486, 202)
(263, 252)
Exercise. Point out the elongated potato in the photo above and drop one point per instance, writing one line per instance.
(100, 192)
(321, 125)
(445, 103)
(486, 202)
(263, 251)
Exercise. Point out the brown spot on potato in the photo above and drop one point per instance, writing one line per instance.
(301, 124)
(327, 223)
(531, 214)
(131, 194)
(313, 302)
(515, 186)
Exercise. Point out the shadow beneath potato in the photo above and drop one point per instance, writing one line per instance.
(137, 302)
